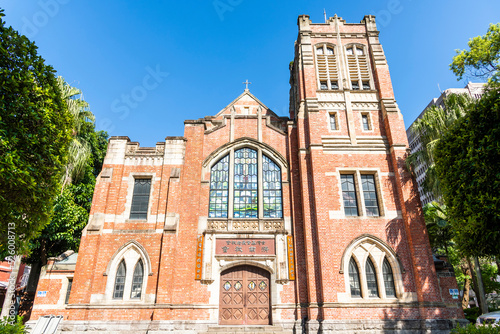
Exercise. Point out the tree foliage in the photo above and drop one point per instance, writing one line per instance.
(467, 165)
(430, 127)
(482, 61)
(35, 132)
(72, 206)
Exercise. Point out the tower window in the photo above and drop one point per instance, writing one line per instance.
(326, 66)
(365, 122)
(349, 195)
(358, 69)
(370, 194)
(333, 121)
(140, 199)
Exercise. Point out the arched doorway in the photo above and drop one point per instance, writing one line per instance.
(244, 296)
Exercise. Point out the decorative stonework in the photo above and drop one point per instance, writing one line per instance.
(246, 225)
(217, 225)
(365, 105)
(274, 225)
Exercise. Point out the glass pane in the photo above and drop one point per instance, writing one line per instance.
(137, 281)
(371, 279)
(349, 51)
(390, 291)
(370, 195)
(68, 291)
(323, 85)
(119, 281)
(333, 122)
(335, 85)
(359, 51)
(140, 199)
(319, 50)
(219, 181)
(355, 85)
(329, 51)
(272, 188)
(245, 180)
(366, 124)
(354, 279)
(349, 195)
(366, 85)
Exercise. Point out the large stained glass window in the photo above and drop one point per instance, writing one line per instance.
(245, 184)
(271, 178)
(219, 187)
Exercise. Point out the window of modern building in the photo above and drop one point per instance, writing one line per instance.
(349, 195)
(357, 63)
(370, 194)
(120, 281)
(68, 290)
(140, 199)
(245, 186)
(354, 279)
(371, 279)
(333, 121)
(135, 293)
(390, 291)
(326, 64)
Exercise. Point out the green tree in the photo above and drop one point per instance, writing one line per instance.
(467, 165)
(483, 59)
(35, 132)
(436, 221)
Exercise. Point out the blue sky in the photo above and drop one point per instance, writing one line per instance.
(146, 66)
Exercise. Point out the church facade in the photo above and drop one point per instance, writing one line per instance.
(307, 223)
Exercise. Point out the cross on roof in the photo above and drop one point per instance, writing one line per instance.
(246, 83)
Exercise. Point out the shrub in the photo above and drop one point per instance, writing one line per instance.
(472, 329)
(12, 328)
(472, 313)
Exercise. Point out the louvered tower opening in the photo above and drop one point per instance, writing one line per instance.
(326, 62)
(359, 72)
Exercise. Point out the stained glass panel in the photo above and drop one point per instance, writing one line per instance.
(273, 207)
(237, 285)
(219, 188)
(245, 183)
(227, 286)
(262, 285)
(251, 285)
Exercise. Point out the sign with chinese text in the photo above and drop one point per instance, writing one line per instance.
(291, 259)
(199, 258)
(244, 247)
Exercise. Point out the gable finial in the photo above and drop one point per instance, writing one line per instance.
(246, 83)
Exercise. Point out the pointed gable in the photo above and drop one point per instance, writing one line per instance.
(246, 104)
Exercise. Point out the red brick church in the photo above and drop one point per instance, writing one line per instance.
(308, 223)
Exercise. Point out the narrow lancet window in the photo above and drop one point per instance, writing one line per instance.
(371, 279)
(390, 291)
(354, 279)
(120, 281)
(271, 188)
(137, 281)
(219, 187)
(245, 184)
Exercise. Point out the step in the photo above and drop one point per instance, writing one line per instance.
(248, 329)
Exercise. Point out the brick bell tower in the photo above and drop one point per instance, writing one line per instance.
(361, 231)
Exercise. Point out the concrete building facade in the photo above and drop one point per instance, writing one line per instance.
(307, 223)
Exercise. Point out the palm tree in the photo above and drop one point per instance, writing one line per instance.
(434, 122)
(79, 150)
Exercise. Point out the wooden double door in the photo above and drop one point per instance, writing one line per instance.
(245, 296)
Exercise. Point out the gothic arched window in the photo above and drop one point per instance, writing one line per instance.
(251, 190)
(390, 290)
(354, 279)
(120, 281)
(135, 292)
